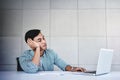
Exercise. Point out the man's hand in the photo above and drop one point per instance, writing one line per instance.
(32, 44)
(75, 69)
(78, 69)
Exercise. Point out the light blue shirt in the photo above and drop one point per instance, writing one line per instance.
(47, 61)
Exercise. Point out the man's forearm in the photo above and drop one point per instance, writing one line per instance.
(36, 58)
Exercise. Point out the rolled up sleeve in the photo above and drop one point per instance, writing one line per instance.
(27, 64)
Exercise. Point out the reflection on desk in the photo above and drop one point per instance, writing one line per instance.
(55, 75)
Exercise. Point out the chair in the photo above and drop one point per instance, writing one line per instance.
(18, 65)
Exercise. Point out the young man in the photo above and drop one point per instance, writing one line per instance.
(40, 58)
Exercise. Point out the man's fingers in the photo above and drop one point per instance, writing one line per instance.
(80, 69)
(83, 69)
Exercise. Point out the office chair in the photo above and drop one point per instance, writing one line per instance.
(18, 65)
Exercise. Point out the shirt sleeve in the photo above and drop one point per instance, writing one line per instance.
(59, 62)
(27, 64)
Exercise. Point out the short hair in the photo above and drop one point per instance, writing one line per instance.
(31, 34)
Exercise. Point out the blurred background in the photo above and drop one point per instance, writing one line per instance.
(75, 29)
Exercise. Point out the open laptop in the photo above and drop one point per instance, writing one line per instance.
(104, 63)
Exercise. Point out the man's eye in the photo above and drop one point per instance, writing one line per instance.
(39, 40)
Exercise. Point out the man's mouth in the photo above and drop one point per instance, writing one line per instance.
(44, 45)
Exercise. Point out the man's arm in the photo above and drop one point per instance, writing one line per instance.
(36, 48)
(64, 66)
(31, 65)
(36, 57)
(26, 63)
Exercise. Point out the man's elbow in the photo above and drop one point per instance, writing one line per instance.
(31, 70)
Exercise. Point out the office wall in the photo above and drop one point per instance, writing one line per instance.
(75, 29)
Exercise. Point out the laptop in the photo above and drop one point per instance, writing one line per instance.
(104, 63)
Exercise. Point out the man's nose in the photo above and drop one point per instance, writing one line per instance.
(43, 41)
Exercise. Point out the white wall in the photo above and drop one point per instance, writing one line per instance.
(75, 29)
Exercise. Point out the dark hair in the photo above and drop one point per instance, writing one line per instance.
(31, 34)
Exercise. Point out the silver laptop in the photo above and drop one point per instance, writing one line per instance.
(104, 63)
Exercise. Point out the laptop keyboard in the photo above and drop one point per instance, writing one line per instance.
(90, 72)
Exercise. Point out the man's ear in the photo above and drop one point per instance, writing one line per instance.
(28, 39)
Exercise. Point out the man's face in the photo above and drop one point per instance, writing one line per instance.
(41, 41)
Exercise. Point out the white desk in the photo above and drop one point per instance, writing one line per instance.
(55, 75)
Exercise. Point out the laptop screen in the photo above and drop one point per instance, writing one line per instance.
(104, 61)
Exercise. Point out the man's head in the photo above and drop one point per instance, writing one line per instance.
(37, 36)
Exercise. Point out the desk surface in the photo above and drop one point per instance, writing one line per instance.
(55, 75)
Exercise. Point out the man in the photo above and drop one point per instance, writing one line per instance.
(40, 58)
